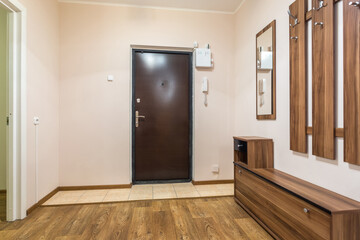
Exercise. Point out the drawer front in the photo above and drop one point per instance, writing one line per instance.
(286, 215)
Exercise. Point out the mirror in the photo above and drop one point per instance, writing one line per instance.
(266, 72)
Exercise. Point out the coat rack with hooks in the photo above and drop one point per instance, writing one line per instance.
(323, 79)
(296, 20)
(298, 139)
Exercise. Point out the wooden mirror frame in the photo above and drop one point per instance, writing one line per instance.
(271, 116)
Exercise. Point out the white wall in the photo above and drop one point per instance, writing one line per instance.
(250, 19)
(3, 33)
(95, 114)
(42, 95)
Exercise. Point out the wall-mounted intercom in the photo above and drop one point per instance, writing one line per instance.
(262, 86)
(205, 89)
(205, 85)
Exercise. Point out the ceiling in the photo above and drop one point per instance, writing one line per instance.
(229, 6)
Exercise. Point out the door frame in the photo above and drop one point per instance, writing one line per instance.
(16, 109)
(166, 50)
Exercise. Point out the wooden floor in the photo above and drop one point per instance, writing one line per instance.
(203, 218)
(2, 206)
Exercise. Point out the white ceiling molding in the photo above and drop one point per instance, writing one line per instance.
(240, 5)
(210, 6)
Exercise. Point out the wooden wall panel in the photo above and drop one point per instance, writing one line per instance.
(339, 132)
(351, 83)
(298, 105)
(323, 142)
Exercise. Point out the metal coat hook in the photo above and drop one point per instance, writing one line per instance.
(294, 38)
(295, 19)
(354, 4)
(321, 5)
(321, 24)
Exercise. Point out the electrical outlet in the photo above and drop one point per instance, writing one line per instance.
(36, 120)
(215, 168)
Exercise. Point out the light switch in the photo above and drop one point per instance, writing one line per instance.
(110, 78)
(215, 168)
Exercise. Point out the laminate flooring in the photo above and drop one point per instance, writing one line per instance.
(197, 218)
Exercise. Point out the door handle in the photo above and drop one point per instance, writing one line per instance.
(137, 116)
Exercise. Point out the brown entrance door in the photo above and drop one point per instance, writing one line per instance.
(161, 116)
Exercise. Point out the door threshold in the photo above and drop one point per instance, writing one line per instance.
(162, 181)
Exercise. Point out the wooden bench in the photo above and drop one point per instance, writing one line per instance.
(291, 208)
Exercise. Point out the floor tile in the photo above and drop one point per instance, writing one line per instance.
(140, 196)
(141, 192)
(209, 193)
(186, 187)
(183, 184)
(189, 194)
(62, 200)
(91, 193)
(116, 197)
(185, 190)
(91, 199)
(226, 192)
(141, 189)
(211, 187)
(69, 194)
(225, 186)
(119, 191)
(57, 195)
(165, 194)
(48, 202)
(163, 188)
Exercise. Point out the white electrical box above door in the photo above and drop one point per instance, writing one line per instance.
(203, 57)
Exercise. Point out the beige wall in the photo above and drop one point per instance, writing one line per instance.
(95, 114)
(251, 18)
(3, 33)
(42, 94)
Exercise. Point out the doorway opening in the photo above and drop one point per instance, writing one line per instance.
(3, 109)
(12, 110)
(162, 116)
